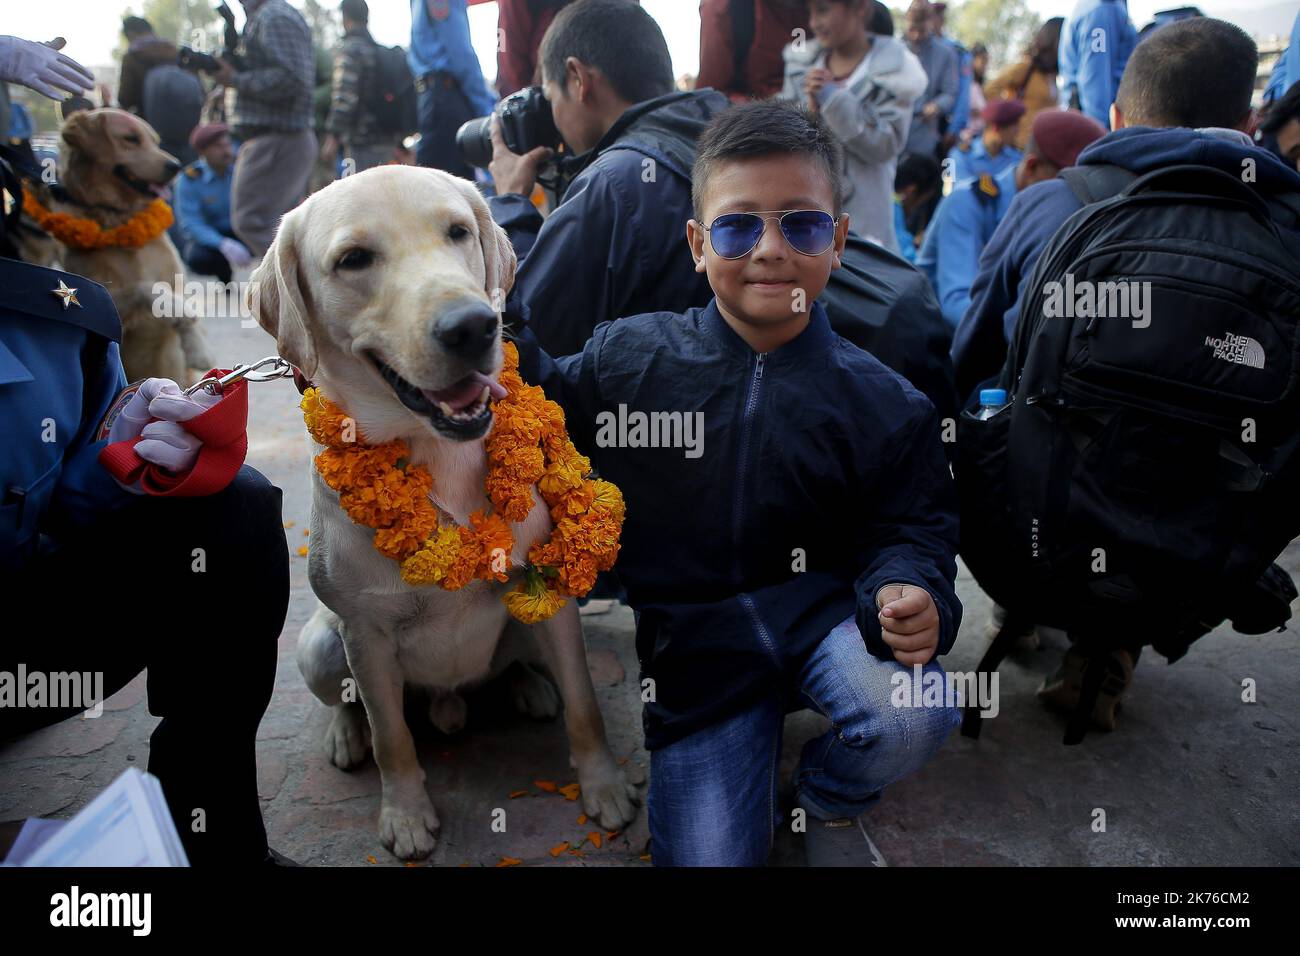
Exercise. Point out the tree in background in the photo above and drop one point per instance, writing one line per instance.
(324, 22)
(1005, 27)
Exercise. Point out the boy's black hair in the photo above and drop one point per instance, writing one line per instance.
(355, 10)
(1194, 73)
(880, 21)
(616, 37)
(765, 128)
(920, 170)
(1283, 110)
(133, 27)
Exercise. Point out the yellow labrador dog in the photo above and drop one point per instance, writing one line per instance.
(380, 288)
(112, 169)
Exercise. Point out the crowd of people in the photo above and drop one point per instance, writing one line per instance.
(818, 136)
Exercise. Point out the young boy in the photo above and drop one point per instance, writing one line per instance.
(790, 523)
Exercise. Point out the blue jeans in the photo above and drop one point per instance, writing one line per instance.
(713, 795)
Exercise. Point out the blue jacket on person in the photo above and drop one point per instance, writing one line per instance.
(979, 348)
(819, 477)
(616, 243)
(203, 203)
(959, 118)
(962, 225)
(440, 43)
(59, 375)
(1093, 62)
(1287, 68)
(974, 161)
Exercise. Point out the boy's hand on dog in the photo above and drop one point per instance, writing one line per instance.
(909, 622)
(511, 172)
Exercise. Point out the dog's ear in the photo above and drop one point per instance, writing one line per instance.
(83, 131)
(275, 298)
(498, 254)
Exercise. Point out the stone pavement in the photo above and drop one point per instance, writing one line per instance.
(1194, 776)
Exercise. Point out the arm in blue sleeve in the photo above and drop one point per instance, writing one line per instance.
(519, 218)
(961, 109)
(572, 382)
(1096, 76)
(912, 534)
(958, 259)
(1067, 60)
(85, 490)
(190, 207)
(462, 61)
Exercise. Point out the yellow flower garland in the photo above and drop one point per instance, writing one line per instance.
(86, 234)
(528, 446)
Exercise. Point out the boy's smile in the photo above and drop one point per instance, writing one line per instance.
(765, 295)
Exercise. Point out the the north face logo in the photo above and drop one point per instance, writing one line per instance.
(1240, 349)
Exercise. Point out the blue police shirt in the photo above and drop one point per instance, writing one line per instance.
(974, 162)
(440, 44)
(1096, 42)
(203, 203)
(59, 374)
(962, 225)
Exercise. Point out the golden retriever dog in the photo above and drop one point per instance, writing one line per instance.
(111, 168)
(380, 289)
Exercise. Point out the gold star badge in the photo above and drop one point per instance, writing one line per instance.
(68, 295)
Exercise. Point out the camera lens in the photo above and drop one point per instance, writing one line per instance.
(474, 140)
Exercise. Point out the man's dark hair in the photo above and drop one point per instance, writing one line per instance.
(355, 10)
(616, 37)
(1194, 73)
(880, 21)
(133, 27)
(765, 128)
(1283, 110)
(920, 170)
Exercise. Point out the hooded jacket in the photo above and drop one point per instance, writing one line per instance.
(616, 243)
(979, 348)
(815, 477)
(870, 114)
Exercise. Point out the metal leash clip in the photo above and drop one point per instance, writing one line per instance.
(215, 386)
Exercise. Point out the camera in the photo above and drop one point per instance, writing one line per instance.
(526, 123)
(196, 61)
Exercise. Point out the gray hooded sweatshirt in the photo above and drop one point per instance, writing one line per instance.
(870, 113)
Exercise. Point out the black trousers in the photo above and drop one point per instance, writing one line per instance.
(443, 109)
(208, 260)
(196, 590)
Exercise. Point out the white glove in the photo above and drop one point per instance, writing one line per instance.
(166, 443)
(132, 419)
(235, 252)
(42, 67)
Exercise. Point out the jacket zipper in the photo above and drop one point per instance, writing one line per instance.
(742, 462)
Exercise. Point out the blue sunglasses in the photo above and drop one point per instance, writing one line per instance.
(810, 232)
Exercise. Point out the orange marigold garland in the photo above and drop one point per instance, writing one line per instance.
(86, 234)
(528, 447)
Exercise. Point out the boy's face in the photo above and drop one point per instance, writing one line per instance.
(772, 285)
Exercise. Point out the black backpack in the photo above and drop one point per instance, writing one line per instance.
(390, 92)
(172, 105)
(1146, 471)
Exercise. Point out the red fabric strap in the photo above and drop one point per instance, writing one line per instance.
(223, 429)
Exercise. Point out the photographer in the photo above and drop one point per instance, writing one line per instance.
(615, 245)
(269, 109)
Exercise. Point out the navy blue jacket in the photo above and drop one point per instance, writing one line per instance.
(59, 374)
(814, 448)
(979, 347)
(616, 244)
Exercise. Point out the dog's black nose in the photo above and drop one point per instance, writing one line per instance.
(173, 168)
(467, 328)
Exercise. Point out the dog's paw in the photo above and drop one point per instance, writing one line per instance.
(409, 830)
(608, 796)
(348, 736)
(448, 711)
(533, 694)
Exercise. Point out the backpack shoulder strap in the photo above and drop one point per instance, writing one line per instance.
(1091, 184)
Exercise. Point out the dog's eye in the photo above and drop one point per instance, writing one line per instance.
(133, 139)
(457, 233)
(355, 259)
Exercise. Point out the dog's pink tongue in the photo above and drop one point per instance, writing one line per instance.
(466, 392)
